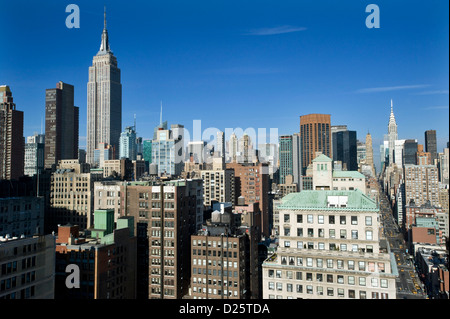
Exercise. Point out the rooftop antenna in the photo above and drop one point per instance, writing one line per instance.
(104, 17)
(160, 116)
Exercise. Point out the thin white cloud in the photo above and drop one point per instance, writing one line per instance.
(433, 92)
(275, 30)
(391, 88)
(439, 107)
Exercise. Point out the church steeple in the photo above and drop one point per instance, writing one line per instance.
(104, 46)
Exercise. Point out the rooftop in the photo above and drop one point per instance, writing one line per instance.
(350, 174)
(320, 200)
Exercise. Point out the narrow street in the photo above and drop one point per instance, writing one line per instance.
(408, 284)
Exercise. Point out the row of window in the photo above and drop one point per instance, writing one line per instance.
(214, 291)
(351, 280)
(331, 246)
(331, 233)
(215, 272)
(328, 263)
(340, 292)
(332, 219)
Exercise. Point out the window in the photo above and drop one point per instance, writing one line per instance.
(342, 220)
(351, 265)
(329, 263)
(362, 265)
(286, 218)
(369, 235)
(374, 282)
(310, 219)
(332, 233)
(354, 220)
(362, 281)
(300, 232)
(331, 219)
(299, 218)
(319, 262)
(351, 280)
(368, 221)
(320, 219)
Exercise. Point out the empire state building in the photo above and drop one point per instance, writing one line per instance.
(104, 100)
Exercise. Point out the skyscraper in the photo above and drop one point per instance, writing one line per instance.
(410, 152)
(344, 149)
(11, 137)
(34, 154)
(104, 100)
(164, 152)
(285, 152)
(128, 146)
(392, 135)
(315, 135)
(369, 152)
(61, 125)
(430, 144)
(232, 147)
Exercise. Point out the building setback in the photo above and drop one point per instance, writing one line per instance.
(329, 248)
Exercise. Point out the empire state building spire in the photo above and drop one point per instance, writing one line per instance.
(104, 46)
(104, 102)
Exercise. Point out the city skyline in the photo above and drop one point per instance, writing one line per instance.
(252, 66)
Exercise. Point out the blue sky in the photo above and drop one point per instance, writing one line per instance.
(240, 64)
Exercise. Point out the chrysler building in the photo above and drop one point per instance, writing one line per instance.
(392, 134)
